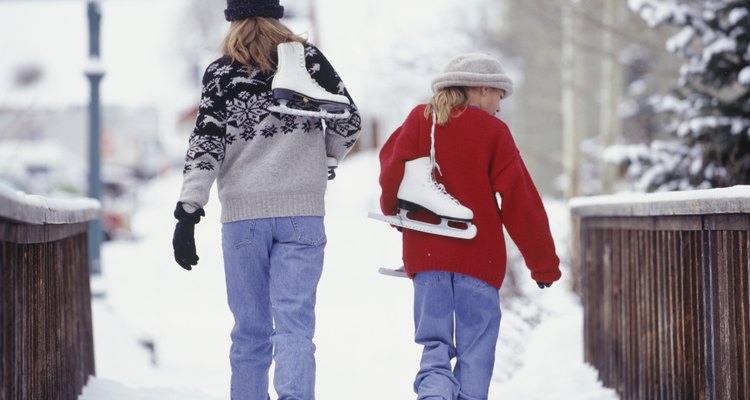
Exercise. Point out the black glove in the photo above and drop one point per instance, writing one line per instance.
(543, 285)
(331, 173)
(183, 241)
(332, 164)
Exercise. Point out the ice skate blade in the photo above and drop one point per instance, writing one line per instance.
(281, 94)
(398, 273)
(312, 114)
(411, 206)
(441, 230)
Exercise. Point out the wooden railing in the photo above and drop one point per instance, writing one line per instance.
(46, 341)
(665, 290)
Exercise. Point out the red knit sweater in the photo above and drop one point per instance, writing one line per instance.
(477, 157)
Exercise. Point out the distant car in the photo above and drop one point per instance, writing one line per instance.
(119, 195)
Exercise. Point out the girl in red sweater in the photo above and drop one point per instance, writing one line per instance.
(456, 281)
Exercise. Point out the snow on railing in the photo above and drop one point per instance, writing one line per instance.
(32, 209)
(694, 202)
(665, 288)
(46, 341)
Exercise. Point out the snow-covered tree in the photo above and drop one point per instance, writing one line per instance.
(708, 112)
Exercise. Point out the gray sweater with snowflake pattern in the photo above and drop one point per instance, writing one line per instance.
(265, 164)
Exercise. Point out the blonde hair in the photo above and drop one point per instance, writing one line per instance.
(444, 101)
(252, 41)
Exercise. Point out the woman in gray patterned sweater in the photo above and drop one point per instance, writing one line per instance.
(271, 176)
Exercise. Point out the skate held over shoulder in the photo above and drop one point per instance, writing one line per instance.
(419, 191)
(293, 86)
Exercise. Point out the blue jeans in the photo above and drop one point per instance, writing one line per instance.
(273, 266)
(438, 297)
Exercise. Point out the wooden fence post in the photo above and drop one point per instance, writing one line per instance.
(666, 292)
(46, 341)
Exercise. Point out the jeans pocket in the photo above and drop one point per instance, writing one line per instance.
(472, 281)
(430, 278)
(309, 230)
(241, 233)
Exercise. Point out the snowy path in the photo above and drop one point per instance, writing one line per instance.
(364, 326)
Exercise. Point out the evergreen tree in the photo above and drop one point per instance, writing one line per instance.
(707, 115)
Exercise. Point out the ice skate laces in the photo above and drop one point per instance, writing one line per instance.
(304, 68)
(434, 165)
(441, 188)
(433, 161)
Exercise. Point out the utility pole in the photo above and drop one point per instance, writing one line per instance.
(610, 93)
(572, 99)
(95, 73)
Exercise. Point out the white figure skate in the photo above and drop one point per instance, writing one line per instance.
(418, 190)
(293, 84)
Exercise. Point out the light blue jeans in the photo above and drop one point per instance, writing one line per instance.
(273, 266)
(444, 301)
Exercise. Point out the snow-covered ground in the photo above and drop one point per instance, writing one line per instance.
(163, 333)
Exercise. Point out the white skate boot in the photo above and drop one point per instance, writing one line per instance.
(418, 190)
(292, 83)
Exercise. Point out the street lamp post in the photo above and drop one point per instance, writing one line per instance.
(95, 73)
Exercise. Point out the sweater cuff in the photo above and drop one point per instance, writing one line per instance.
(189, 208)
(546, 277)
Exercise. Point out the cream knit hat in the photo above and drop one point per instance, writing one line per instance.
(474, 69)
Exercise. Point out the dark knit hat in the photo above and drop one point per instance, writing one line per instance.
(241, 9)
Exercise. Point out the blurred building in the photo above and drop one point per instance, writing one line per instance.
(130, 136)
(45, 152)
(612, 61)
